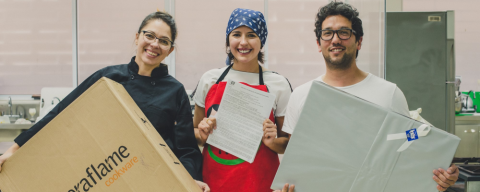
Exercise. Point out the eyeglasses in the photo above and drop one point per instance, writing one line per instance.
(150, 38)
(343, 34)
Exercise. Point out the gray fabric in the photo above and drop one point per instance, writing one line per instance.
(340, 144)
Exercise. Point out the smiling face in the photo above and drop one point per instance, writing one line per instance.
(339, 54)
(151, 53)
(244, 45)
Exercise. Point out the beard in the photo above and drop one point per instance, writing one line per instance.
(341, 64)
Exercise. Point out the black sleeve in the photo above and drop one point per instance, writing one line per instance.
(25, 136)
(184, 143)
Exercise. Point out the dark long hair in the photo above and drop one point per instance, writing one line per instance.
(165, 17)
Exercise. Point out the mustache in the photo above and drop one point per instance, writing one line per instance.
(338, 45)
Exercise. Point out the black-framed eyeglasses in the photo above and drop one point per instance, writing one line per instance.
(343, 34)
(150, 37)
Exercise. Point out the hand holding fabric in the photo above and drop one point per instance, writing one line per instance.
(286, 188)
(447, 178)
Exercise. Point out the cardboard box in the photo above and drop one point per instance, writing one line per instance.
(340, 144)
(100, 142)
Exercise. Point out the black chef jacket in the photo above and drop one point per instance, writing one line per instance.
(160, 97)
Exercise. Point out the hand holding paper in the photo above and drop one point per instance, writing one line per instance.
(206, 127)
(269, 132)
(239, 120)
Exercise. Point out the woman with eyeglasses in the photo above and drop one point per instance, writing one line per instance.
(246, 34)
(160, 96)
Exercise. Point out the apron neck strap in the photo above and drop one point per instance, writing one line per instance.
(260, 74)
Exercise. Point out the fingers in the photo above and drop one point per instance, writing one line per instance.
(207, 125)
(203, 186)
(206, 188)
(212, 122)
(204, 128)
(2, 160)
(445, 177)
(448, 178)
(270, 134)
(453, 170)
(292, 188)
(442, 182)
(440, 188)
(286, 188)
(268, 124)
(269, 129)
(267, 121)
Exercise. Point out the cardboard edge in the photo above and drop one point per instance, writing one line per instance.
(56, 117)
(147, 128)
(14, 155)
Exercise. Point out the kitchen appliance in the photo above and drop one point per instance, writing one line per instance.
(50, 97)
(420, 59)
(469, 168)
(458, 104)
(466, 99)
(469, 174)
(472, 169)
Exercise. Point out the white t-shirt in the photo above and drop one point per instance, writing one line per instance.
(275, 83)
(372, 88)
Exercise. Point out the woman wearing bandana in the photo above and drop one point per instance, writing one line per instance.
(245, 37)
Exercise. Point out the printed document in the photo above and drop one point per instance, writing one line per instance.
(240, 119)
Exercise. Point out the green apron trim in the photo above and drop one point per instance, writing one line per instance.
(224, 161)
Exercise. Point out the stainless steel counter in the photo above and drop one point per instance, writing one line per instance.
(467, 128)
(15, 126)
(463, 120)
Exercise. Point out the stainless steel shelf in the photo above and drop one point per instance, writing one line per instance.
(15, 126)
(468, 118)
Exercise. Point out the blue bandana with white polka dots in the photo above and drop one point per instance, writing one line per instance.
(250, 18)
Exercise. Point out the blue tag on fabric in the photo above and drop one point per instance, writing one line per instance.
(412, 134)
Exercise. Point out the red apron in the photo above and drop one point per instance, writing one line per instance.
(225, 172)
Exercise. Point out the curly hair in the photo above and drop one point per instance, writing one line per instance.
(343, 9)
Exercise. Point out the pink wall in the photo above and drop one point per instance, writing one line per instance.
(36, 38)
(35, 46)
(106, 32)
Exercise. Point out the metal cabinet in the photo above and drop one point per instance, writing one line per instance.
(467, 128)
